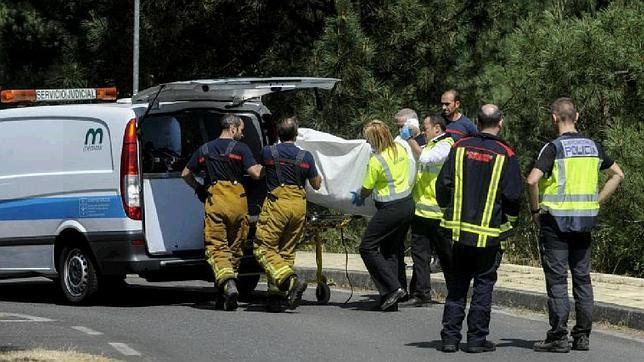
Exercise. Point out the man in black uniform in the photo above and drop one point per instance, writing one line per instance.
(479, 187)
(226, 209)
(281, 222)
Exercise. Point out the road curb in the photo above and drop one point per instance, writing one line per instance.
(602, 312)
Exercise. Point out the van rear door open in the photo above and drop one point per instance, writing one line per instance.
(187, 116)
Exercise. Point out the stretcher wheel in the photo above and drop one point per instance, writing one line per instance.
(323, 293)
(247, 283)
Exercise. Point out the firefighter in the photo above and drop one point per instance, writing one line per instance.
(564, 203)
(427, 236)
(479, 187)
(281, 222)
(387, 179)
(226, 211)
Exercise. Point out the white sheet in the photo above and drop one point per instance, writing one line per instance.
(342, 165)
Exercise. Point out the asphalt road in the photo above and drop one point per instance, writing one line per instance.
(172, 322)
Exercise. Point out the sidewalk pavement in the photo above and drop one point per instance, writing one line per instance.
(618, 300)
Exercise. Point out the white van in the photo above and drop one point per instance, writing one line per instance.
(92, 192)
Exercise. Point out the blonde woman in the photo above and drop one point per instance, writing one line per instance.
(387, 181)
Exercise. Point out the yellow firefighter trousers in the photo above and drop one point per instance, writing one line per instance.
(279, 228)
(225, 228)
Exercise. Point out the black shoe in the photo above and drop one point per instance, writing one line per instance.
(416, 302)
(274, 304)
(392, 298)
(581, 343)
(230, 295)
(405, 297)
(552, 345)
(487, 346)
(448, 347)
(295, 291)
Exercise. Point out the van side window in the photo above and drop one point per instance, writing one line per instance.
(87, 147)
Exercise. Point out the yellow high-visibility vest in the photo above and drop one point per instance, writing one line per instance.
(387, 174)
(570, 193)
(425, 188)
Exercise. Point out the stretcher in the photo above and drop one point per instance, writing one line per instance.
(316, 223)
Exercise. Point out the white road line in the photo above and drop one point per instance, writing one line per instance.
(86, 330)
(17, 317)
(125, 349)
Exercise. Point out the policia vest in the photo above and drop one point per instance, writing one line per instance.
(425, 188)
(570, 193)
(389, 189)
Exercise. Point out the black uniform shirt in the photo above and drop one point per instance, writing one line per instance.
(287, 151)
(240, 159)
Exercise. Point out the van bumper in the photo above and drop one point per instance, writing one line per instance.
(116, 254)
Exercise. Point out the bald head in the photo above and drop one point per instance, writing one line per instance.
(489, 116)
(564, 109)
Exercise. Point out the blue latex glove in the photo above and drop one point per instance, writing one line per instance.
(356, 199)
(405, 133)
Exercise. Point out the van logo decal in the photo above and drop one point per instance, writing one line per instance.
(93, 134)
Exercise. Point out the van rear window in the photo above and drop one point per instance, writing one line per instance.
(169, 140)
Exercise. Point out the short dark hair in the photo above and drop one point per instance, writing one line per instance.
(229, 120)
(438, 119)
(489, 115)
(564, 108)
(287, 129)
(455, 93)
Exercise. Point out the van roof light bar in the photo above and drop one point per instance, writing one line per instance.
(57, 95)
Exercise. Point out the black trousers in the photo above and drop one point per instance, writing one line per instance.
(560, 251)
(470, 263)
(382, 243)
(426, 236)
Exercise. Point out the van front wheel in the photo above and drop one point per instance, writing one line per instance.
(78, 277)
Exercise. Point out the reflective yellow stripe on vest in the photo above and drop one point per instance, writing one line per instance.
(455, 223)
(393, 194)
(491, 197)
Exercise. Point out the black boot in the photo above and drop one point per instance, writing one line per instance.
(553, 345)
(295, 291)
(230, 294)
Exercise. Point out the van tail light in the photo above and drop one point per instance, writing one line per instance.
(130, 183)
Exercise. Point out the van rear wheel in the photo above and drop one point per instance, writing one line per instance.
(78, 277)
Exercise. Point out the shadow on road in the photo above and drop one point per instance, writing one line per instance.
(435, 344)
(514, 342)
(125, 296)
